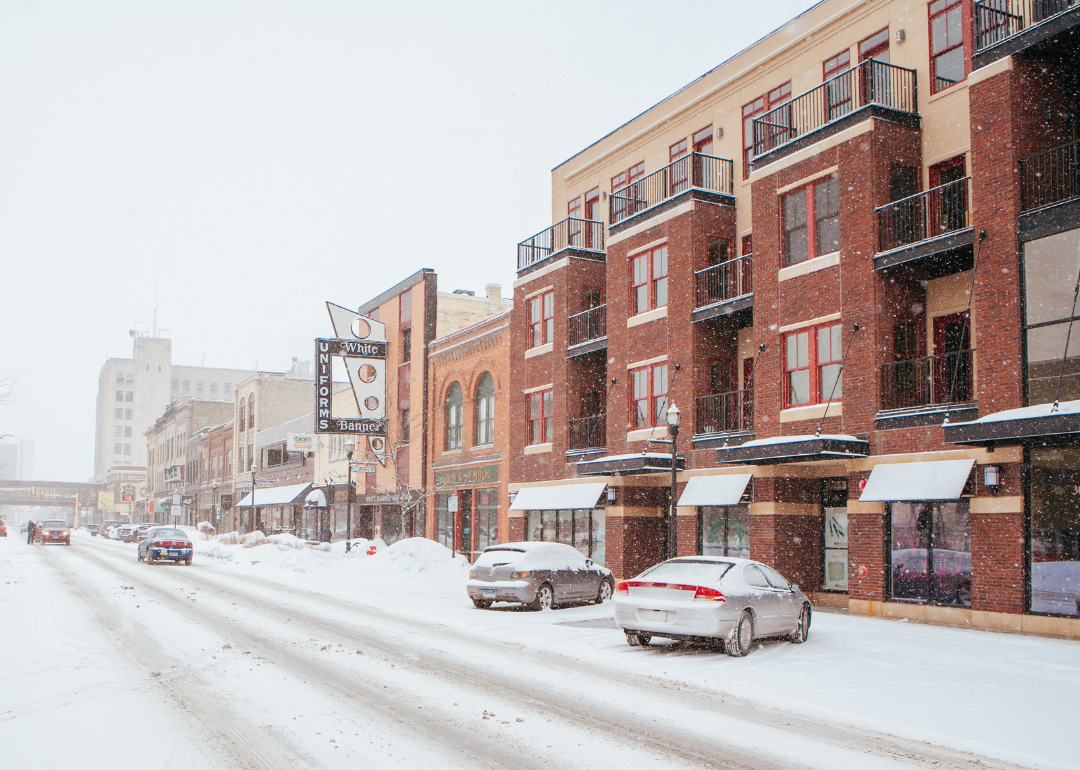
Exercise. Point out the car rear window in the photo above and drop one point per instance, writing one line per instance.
(495, 558)
(53, 524)
(692, 572)
(170, 533)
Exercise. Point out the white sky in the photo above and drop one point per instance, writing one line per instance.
(243, 162)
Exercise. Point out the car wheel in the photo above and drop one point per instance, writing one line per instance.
(545, 598)
(604, 593)
(138, 556)
(802, 629)
(149, 558)
(187, 562)
(739, 643)
(481, 604)
(638, 638)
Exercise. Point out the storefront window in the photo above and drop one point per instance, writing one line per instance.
(834, 498)
(724, 531)
(931, 552)
(1055, 531)
(487, 517)
(444, 520)
(1049, 278)
(582, 529)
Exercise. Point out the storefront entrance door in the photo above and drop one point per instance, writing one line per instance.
(465, 510)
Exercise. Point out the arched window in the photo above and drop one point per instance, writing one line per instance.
(242, 422)
(453, 417)
(485, 410)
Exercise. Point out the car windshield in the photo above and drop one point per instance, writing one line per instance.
(53, 524)
(499, 556)
(692, 572)
(172, 534)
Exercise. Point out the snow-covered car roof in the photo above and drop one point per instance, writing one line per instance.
(526, 547)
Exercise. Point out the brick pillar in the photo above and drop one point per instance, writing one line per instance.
(866, 551)
(686, 529)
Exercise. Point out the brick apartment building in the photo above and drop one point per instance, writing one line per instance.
(845, 254)
(469, 426)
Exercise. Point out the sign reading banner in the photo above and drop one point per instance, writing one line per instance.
(361, 343)
(458, 477)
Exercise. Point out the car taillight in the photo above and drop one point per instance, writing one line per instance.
(623, 588)
(524, 574)
(710, 594)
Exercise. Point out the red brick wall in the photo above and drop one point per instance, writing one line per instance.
(997, 562)
(866, 548)
(633, 544)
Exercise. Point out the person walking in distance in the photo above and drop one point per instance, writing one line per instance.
(31, 530)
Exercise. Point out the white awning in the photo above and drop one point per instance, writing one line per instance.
(940, 480)
(275, 496)
(715, 490)
(316, 497)
(561, 497)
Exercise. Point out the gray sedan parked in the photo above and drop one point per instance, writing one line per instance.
(539, 575)
(707, 598)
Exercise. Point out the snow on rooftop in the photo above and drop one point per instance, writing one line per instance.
(1027, 413)
(794, 439)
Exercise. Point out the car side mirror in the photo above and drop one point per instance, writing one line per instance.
(794, 587)
(588, 562)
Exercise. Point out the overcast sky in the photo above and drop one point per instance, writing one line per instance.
(235, 164)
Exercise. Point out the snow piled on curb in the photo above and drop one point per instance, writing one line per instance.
(415, 562)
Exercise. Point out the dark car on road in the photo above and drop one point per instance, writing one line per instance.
(538, 575)
(53, 531)
(166, 543)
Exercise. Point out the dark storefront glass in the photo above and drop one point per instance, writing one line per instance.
(487, 517)
(724, 531)
(582, 529)
(1055, 531)
(444, 520)
(1050, 267)
(931, 552)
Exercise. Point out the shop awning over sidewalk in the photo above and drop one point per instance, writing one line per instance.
(1039, 424)
(900, 482)
(787, 449)
(560, 497)
(275, 496)
(640, 462)
(316, 498)
(715, 490)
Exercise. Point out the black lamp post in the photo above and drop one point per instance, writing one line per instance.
(350, 446)
(217, 511)
(674, 417)
(251, 505)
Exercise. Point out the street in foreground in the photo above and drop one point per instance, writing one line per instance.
(274, 657)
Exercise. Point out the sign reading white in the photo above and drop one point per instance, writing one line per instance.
(360, 342)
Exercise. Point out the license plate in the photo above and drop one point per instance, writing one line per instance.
(659, 616)
(489, 593)
(174, 553)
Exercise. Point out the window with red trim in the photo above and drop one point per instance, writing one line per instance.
(573, 208)
(680, 171)
(756, 109)
(649, 279)
(541, 406)
(650, 384)
(812, 365)
(747, 244)
(541, 319)
(629, 176)
(946, 44)
(703, 141)
(838, 91)
(810, 220)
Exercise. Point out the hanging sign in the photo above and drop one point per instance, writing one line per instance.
(360, 342)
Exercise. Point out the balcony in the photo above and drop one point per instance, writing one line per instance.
(580, 237)
(698, 176)
(723, 413)
(933, 223)
(1050, 177)
(872, 89)
(920, 391)
(1005, 27)
(585, 433)
(587, 331)
(724, 288)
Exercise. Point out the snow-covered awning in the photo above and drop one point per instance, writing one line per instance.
(560, 497)
(639, 462)
(1040, 423)
(781, 449)
(899, 482)
(715, 490)
(316, 498)
(275, 496)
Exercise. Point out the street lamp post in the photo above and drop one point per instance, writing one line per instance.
(350, 446)
(674, 417)
(251, 505)
(217, 511)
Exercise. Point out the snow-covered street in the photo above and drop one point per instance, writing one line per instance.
(278, 657)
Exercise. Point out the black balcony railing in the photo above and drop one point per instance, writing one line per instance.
(924, 215)
(725, 281)
(703, 172)
(870, 83)
(590, 325)
(571, 233)
(997, 20)
(929, 381)
(587, 432)
(725, 412)
(1050, 177)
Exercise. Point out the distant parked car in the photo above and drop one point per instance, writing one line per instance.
(142, 529)
(53, 531)
(538, 575)
(91, 528)
(3, 528)
(166, 543)
(107, 527)
(708, 598)
(125, 533)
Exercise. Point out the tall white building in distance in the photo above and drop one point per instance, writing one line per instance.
(16, 459)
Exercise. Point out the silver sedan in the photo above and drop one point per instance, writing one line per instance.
(538, 575)
(708, 598)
